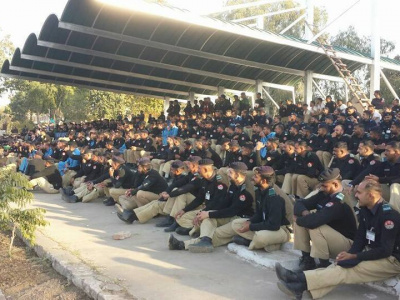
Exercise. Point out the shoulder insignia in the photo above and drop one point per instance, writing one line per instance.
(251, 161)
(340, 196)
(389, 224)
(351, 161)
(220, 186)
(310, 141)
(218, 177)
(271, 192)
(243, 187)
(351, 155)
(268, 158)
(242, 197)
(326, 141)
(329, 204)
(386, 207)
(308, 154)
(309, 165)
(239, 158)
(94, 167)
(372, 162)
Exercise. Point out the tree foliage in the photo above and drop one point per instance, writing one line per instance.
(14, 199)
(278, 22)
(6, 50)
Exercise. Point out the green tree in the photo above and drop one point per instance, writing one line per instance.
(14, 199)
(6, 50)
(279, 22)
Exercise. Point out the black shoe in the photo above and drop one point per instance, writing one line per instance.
(237, 239)
(203, 246)
(182, 230)
(128, 216)
(172, 227)
(175, 244)
(63, 194)
(166, 222)
(293, 289)
(109, 201)
(73, 199)
(69, 191)
(285, 274)
(307, 263)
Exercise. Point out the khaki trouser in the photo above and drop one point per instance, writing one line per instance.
(290, 183)
(326, 242)
(66, 179)
(44, 185)
(186, 220)
(150, 210)
(156, 163)
(140, 199)
(97, 192)
(129, 156)
(324, 158)
(263, 239)
(178, 203)
(78, 181)
(321, 281)
(116, 192)
(139, 154)
(349, 196)
(305, 185)
(392, 195)
(218, 230)
(165, 168)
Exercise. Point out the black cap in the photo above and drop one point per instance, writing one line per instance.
(144, 161)
(249, 145)
(240, 166)
(330, 174)
(225, 140)
(194, 159)
(118, 159)
(177, 164)
(206, 162)
(265, 170)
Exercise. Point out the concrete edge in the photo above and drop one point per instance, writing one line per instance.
(87, 278)
(289, 259)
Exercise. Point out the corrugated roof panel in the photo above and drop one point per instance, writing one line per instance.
(195, 62)
(112, 19)
(142, 26)
(168, 32)
(81, 58)
(218, 43)
(81, 40)
(175, 59)
(58, 54)
(152, 54)
(130, 50)
(82, 73)
(195, 37)
(122, 66)
(102, 62)
(106, 45)
(81, 12)
(62, 69)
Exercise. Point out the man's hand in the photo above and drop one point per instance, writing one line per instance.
(259, 146)
(179, 214)
(245, 227)
(165, 195)
(128, 193)
(202, 215)
(111, 172)
(133, 147)
(345, 256)
(372, 177)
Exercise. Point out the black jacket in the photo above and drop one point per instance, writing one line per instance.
(384, 222)
(270, 211)
(349, 166)
(237, 202)
(151, 181)
(52, 175)
(331, 211)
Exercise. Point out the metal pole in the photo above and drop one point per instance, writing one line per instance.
(375, 47)
(318, 88)
(389, 85)
(293, 23)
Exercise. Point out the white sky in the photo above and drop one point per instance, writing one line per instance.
(34, 13)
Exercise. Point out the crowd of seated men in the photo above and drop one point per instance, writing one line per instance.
(227, 172)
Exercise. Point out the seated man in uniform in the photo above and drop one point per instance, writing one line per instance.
(215, 225)
(374, 255)
(330, 229)
(49, 179)
(266, 229)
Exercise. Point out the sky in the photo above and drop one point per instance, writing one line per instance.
(34, 13)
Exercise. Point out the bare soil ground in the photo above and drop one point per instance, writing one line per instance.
(25, 276)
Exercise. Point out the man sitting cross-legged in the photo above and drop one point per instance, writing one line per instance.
(267, 228)
(215, 224)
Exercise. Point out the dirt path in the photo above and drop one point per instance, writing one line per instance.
(28, 277)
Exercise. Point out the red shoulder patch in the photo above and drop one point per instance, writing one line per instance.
(372, 162)
(220, 186)
(329, 204)
(351, 161)
(242, 197)
(389, 224)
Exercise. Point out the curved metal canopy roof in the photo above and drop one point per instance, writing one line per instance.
(160, 51)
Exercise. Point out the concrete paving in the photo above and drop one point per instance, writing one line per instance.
(144, 266)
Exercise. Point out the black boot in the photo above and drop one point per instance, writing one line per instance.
(172, 227)
(203, 246)
(72, 199)
(128, 216)
(175, 244)
(166, 222)
(183, 230)
(285, 274)
(323, 263)
(307, 263)
(237, 239)
(293, 289)
(69, 191)
(109, 201)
